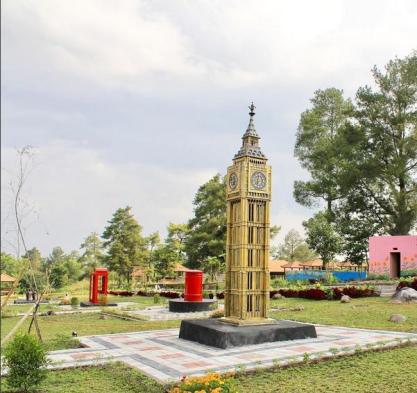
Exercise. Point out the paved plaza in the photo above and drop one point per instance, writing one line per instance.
(163, 356)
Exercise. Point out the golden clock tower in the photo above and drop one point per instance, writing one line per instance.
(247, 247)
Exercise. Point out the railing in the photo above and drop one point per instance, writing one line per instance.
(321, 274)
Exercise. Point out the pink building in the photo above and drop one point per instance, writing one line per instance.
(392, 254)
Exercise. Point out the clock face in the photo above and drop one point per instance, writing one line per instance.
(233, 181)
(258, 180)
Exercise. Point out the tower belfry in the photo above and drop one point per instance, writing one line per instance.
(247, 245)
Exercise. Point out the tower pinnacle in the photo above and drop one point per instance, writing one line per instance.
(250, 145)
(252, 110)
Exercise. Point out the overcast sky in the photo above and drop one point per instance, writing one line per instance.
(140, 102)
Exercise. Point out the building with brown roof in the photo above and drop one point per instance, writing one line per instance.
(276, 267)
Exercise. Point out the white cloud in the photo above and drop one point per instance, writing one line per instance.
(75, 191)
(144, 46)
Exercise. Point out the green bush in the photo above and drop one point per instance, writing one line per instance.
(75, 301)
(376, 276)
(26, 360)
(409, 273)
(280, 283)
(329, 279)
(156, 298)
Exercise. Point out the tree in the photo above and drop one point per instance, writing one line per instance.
(9, 264)
(322, 237)
(170, 253)
(125, 245)
(382, 171)
(152, 242)
(213, 266)
(317, 148)
(177, 236)
(294, 248)
(34, 255)
(93, 252)
(165, 260)
(73, 266)
(355, 229)
(273, 231)
(207, 229)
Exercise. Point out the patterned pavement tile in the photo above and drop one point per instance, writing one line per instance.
(163, 356)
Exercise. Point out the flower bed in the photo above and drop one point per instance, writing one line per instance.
(329, 294)
(210, 383)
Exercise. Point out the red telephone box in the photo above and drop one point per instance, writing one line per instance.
(99, 280)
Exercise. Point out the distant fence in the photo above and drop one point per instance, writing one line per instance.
(318, 274)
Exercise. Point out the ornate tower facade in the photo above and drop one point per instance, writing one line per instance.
(247, 247)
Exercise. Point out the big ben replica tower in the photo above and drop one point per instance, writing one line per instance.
(247, 245)
(247, 255)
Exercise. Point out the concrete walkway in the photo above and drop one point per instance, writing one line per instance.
(163, 356)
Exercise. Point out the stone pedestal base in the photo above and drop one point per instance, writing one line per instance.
(180, 305)
(89, 304)
(218, 334)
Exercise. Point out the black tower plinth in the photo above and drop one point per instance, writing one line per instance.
(181, 305)
(218, 334)
(89, 304)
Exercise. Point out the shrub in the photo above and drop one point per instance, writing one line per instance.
(279, 283)
(170, 294)
(210, 383)
(26, 360)
(409, 273)
(75, 302)
(312, 293)
(156, 298)
(353, 292)
(376, 276)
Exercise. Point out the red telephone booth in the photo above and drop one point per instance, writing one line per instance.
(99, 280)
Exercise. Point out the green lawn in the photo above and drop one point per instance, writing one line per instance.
(140, 302)
(85, 324)
(372, 313)
(369, 313)
(373, 372)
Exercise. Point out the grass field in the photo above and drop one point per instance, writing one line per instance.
(372, 313)
(53, 327)
(392, 371)
(368, 313)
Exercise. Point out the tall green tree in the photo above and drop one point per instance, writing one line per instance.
(125, 245)
(294, 248)
(34, 255)
(207, 229)
(172, 251)
(93, 254)
(381, 174)
(177, 236)
(317, 148)
(9, 264)
(152, 242)
(322, 237)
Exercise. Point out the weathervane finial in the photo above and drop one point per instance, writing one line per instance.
(252, 109)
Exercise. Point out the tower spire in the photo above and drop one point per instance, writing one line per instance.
(250, 145)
